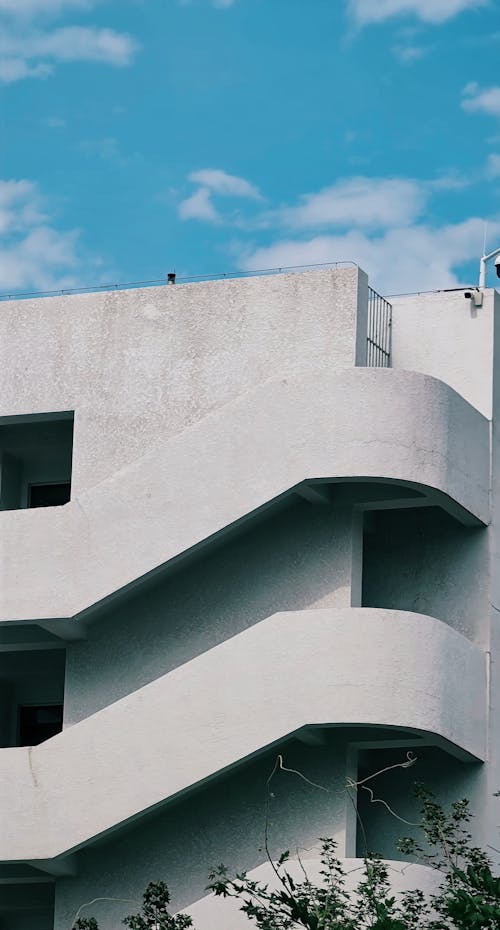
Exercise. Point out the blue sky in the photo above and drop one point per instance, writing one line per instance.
(139, 136)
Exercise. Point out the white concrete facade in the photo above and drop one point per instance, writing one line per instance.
(269, 548)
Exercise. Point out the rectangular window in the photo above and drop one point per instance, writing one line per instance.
(36, 453)
(49, 495)
(38, 723)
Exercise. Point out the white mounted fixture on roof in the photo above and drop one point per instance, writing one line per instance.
(482, 266)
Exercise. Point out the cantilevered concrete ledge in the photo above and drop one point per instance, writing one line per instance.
(357, 423)
(212, 913)
(316, 667)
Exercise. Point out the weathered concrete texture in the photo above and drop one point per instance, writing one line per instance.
(188, 724)
(223, 822)
(423, 560)
(195, 408)
(444, 335)
(141, 365)
(296, 559)
(360, 422)
(433, 768)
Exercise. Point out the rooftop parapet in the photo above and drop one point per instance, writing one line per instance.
(141, 365)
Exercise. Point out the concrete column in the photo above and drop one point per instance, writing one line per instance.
(347, 559)
(10, 482)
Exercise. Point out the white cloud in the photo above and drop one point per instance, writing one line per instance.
(493, 166)
(218, 4)
(400, 260)
(430, 11)
(15, 69)
(198, 207)
(20, 206)
(361, 201)
(32, 55)
(33, 254)
(213, 181)
(481, 100)
(54, 122)
(220, 182)
(27, 52)
(28, 8)
(41, 260)
(408, 54)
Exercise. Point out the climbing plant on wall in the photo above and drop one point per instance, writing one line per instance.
(468, 898)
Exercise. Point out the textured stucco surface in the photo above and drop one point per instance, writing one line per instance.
(433, 768)
(222, 822)
(351, 423)
(423, 560)
(296, 559)
(444, 335)
(213, 712)
(417, 560)
(194, 407)
(140, 365)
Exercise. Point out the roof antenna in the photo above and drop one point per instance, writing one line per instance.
(484, 259)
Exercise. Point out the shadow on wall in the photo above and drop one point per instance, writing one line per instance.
(424, 561)
(419, 560)
(379, 830)
(285, 562)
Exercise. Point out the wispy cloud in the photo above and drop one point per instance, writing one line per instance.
(107, 149)
(359, 201)
(478, 99)
(34, 55)
(398, 260)
(20, 206)
(213, 181)
(199, 207)
(26, 51)
(218, 4)
(54, 122)
(33, 253)
(493, 166)
(429, 11)
(220, 182)
(378, 222)
(409, 54)
(16, 69)
(29, 8)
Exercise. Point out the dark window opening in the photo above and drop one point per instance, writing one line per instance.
(49, 495)
(36, 453)
(37, 724)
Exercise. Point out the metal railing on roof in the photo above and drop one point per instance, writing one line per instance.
(179, 279)
(378, 341)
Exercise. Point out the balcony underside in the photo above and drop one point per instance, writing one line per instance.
(360, 425)
(323, 668)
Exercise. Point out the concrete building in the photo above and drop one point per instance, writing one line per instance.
(236, 523)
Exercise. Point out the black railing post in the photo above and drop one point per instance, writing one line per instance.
(378, 337)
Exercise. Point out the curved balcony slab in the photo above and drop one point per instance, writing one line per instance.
(315, 667)
(213, 913)
(358, 423)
